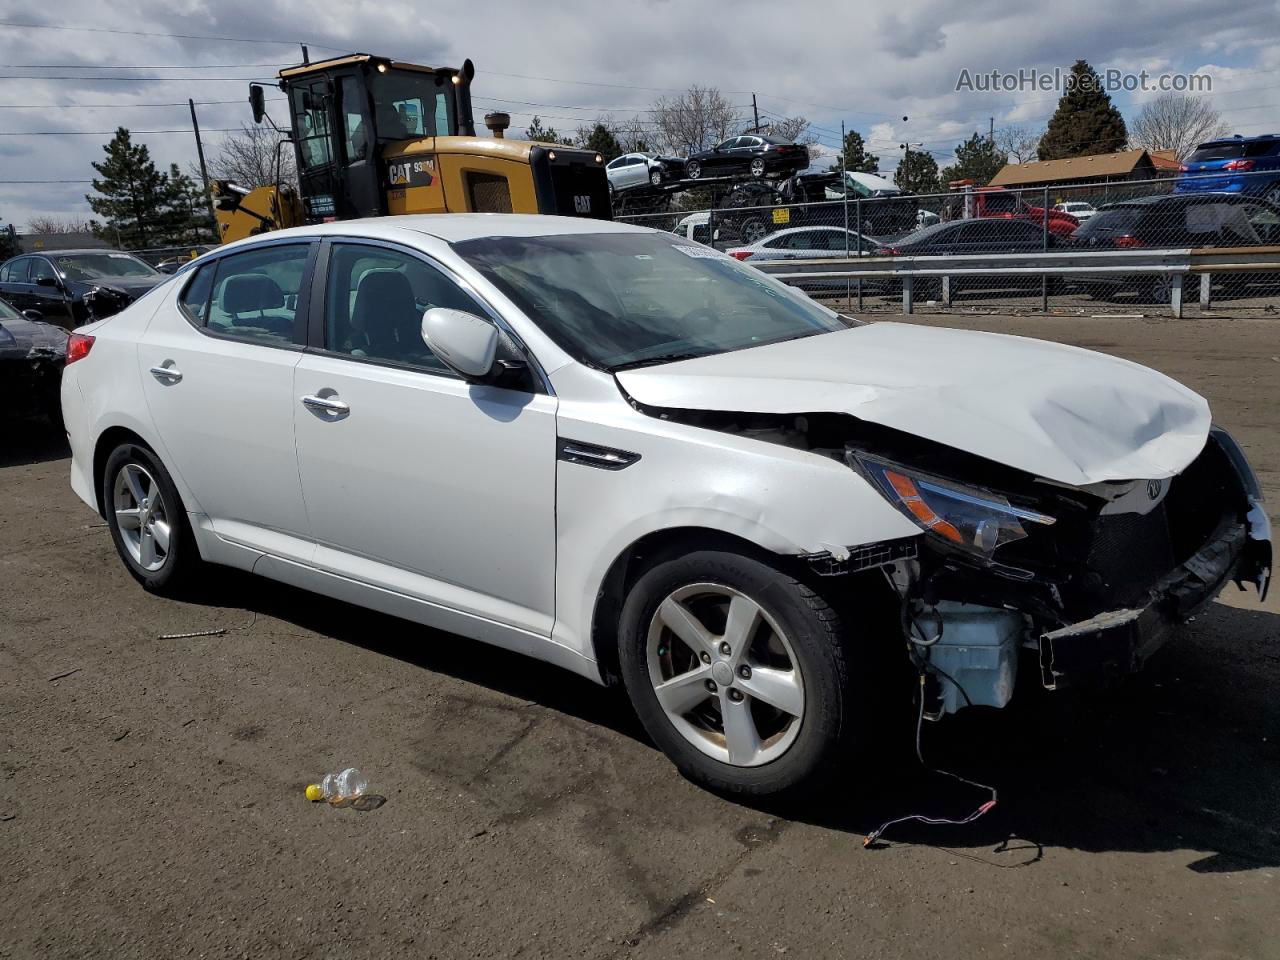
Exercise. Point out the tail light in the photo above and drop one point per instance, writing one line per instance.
(1239, 165)
(78, 346)
(1183, 168)
(741, 254)
(1129, 241)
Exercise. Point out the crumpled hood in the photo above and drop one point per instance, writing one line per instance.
(1059, 412)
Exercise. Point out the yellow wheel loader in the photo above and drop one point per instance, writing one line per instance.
(375, 137)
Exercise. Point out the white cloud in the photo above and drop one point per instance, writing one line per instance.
(831, 61)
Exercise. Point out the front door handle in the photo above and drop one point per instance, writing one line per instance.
(167, 374)
(325, 404)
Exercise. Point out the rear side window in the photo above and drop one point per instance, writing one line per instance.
(15, 271)
(255, 293)
(489, 193)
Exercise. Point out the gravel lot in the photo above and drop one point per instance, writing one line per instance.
(151, 790)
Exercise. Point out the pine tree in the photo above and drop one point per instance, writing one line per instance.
(1086, 121)
(187, 214)
(602, 141)
(917, 173)
(855, 156)
(977, 159)
(133, 196)
(540, 134)
(8, 242)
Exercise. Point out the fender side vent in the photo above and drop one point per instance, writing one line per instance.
(594, 455)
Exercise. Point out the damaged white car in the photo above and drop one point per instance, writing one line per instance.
(637, 458)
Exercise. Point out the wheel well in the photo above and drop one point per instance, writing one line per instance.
(639, 557)
(111, 438)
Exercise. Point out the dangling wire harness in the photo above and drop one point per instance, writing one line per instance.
(920, 657)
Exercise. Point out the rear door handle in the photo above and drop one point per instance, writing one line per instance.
(325, 404)
(167, 374)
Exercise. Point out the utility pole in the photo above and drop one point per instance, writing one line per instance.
(991, 129)
(204, 171)
(755, 111)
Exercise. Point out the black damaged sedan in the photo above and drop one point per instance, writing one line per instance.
(32, 354)
(74, 287)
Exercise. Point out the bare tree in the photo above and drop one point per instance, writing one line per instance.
(249, 158)
(1017, 142)
(1177, 122)
(58, 225)
(695, 120)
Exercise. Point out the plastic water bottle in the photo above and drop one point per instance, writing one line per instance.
(336, 787)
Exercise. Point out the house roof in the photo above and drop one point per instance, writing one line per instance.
(1074, 168)
(1165, 159)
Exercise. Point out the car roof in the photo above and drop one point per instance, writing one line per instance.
(72, 252)
(453, 227)
(1238, 139)
(1180, 198)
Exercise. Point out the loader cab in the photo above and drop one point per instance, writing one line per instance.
(344, 111)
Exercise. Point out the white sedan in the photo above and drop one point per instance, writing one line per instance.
(780, 530)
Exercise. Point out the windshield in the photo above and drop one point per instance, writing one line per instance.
(615, 300)
(95, 266)
(8, 313)
(413, 103)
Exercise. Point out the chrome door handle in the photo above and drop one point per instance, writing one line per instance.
(167, 374)
(325, 404)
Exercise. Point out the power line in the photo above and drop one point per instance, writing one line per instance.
(105, 133)
(37, 76)
(124, 106)
(138, 66)
(172, 36)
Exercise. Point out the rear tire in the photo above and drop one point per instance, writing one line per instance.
(757, 168)
(148, 521)
(775, 666)
(693, 170)
(655, 177)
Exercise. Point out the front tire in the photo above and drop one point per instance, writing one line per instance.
(147, 520)
(738, 672)
(655, 177)
(757, 168)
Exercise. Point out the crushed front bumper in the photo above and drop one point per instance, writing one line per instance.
(1116, 642)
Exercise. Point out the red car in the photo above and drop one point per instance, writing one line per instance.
(999, 202)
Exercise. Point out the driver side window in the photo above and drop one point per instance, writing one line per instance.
(41, 268)
(374, 301)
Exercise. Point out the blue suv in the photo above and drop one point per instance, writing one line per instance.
(1249, 166)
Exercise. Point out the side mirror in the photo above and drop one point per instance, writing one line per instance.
(46, 281)
(257, 102)
(33, 314)
(465, 343)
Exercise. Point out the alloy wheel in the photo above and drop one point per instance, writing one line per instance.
(693, 169)
(753, 230)
(725, 674)
(142, 517)
(757, 168)
(655, 177)
(1161, 289)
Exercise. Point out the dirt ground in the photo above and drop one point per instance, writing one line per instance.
(151, 789)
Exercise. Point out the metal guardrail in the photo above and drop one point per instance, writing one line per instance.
(1177, 264)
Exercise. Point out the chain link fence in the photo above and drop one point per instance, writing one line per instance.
(822, 216)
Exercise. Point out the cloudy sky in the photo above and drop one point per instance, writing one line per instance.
(573, 61)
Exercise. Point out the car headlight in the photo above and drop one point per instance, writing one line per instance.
(968, 518)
